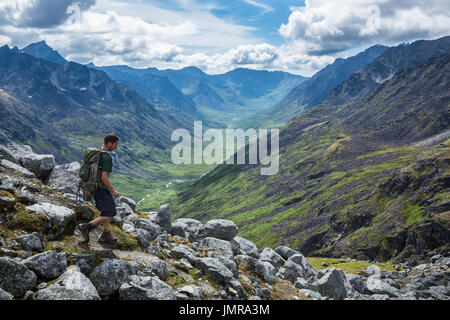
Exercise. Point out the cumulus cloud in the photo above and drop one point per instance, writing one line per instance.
(39, 13)
(330, 26)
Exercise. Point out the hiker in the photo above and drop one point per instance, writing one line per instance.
(104, 193)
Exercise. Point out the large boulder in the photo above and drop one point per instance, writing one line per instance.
(15, 167)
(31, 242)
(271, 256)
(190, 229)
(263, 268)
(5, 295)
(40, 164)
(217, 248)
(128, 201)
(377, 286)
(214, 269)
(146, 288)
(332, 284)
(111, 274)
(221, 229)
(164, 217)
(7, 202)
(246, 246)
(71, 285)
(15, 277)
(65, 177)
(183, 252)
(86, 262)
(153, 229)
(59, 217)
(285, 252)
(6, 154)
(189, 292)
(48, 265)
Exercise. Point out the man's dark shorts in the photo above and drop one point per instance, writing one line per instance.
(104, 201)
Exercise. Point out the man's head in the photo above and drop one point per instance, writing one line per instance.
(111, 141)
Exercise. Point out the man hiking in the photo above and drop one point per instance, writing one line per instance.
(104, 194)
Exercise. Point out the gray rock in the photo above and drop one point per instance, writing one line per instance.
(184, 252)
(128, 228)
(214, 269)
(232, 266)
(65, 177)
(26, 197)
(153, 266)
(153, 229)
(308, 270)
(131, 219)
(59, 216)
(271, 256)
(40, 164)
(143, 237)
(15, 167)
(190, 229)
(71, 285)
(5, 295)
(435, 258)
(7, 202)
(111, 274)
(266, 270)
(85, 212)
(357, 283)
(237, 289)
(192, 292)
(221, 229)
(146, 288)
(311, 294)
(332, 284)
(439, 293)
(6, 154)
(48, 265)
(8, 185)
(15, 277)
(31, 242)
(285, 252)
(124, 210)
(84, 261)
(164, 217)
(217, 248)
(130, 202)
(373, 270)
(246, 246)
(375, 285)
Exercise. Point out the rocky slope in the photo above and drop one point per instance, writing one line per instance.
(42, 256)
(367, 180)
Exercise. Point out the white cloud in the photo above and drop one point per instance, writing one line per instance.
(329, 26)
(263, 6)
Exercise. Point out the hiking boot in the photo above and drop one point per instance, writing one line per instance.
(106, 237)
(85, 228)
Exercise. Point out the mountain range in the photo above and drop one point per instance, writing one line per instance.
(366, 179)
(350, 79)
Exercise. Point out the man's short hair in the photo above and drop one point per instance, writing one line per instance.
(111, 138)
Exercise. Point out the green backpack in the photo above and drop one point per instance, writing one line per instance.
(89, 178)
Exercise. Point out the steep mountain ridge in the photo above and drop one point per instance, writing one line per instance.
(394, 60)
(313, 90)
(63, 108)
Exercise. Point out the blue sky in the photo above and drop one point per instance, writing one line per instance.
(300, 37)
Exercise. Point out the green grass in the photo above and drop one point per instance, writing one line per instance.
(348, 267)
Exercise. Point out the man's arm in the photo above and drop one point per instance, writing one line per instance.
(107, 183)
